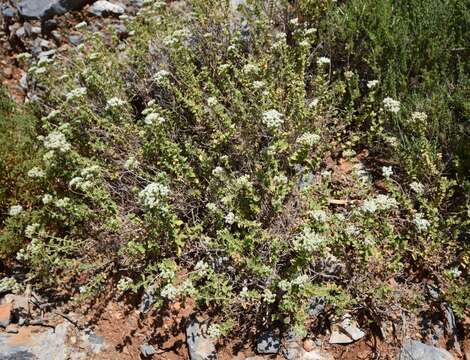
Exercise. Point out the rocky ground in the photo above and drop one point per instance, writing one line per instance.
(35, 327)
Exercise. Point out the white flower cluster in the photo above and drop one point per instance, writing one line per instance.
(314, 103)
(319, 215)
(212, 101)
(62, 203)
(372, 84)
(214, 331)
(15, 210)
(417, 187)
(323, 61)
(361, 173)
(230, 218)
(273, 119)
(36, 172)
(169, 292)
(308, 139)
(31, 230)
(387, 171)
(308, 240)
(250, 69)
(391, 105)
(381, 202)
(47, 199)
(125, 284)
(57, 141)
(419, 116)
(268, 296)
(154, 118)
(76, 93)
(161, 76)
(85, 180)
(300, 280)
(420, 222)
(115, 102)
(258, 84)
(152, 194)
(218, 171)
(131, 163)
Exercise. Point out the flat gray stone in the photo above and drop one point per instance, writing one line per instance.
(200, 346)
(103, 8)
(46, 9)
(415, 350)
(268, 343)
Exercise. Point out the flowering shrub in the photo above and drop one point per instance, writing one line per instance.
(229, 167)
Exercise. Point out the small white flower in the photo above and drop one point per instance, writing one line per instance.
(36, 172)
(115, 102)
(154, 118)
(131, 163)
(201, 266)
(308, 139)
(372, 84)
(420, 222)
(319, 215)
(31, 230)
(323, 61)
(57, 141)
(352, 230)
(455, 272)
(294, 21)
(348, 74)
(308, 240)
(218, 171)
(417, 187)
(391, 105)
(273, 118)
(419, 117)
(370, 206)
(268, 296)
(161, 75)
(258, 84)
(230, 218)
(76, 93)
(250, 68)
(61, 203)
(46, 199)
(387, 171)
(310, 31)
(15, 210)
(300, 280)
(314, 103)
(212, 101)
(124, 284)
(152, 194)
(170, 292)
(214, 331)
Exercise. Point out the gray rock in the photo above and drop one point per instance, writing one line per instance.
(268, 343)
(147, 350)
(294, 351)
(317, 306)
(346, 332)
(5, 314)
(46, 9)
(75, 39)
(104, 8)
(414, 350)
(38, 346)
(8, 12)
(200, 346)
(351, 328)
